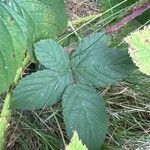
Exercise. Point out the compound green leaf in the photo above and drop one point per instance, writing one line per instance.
(76, 143)
(139, 49)
(52, 55)
(84, 111)
(12, 45)
(40, 89)
(99, 65)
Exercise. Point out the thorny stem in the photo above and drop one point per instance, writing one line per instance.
(135, 13)
(6, 112)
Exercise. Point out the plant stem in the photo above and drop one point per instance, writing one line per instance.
(4, 119)
(135, 13)
(6, 112)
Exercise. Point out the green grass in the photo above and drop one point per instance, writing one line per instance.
(129, 117)
(36, 130)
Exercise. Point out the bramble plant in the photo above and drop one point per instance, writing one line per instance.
(28, 30)
(73, 79)
(76, 143)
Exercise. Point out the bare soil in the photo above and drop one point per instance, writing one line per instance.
(80, 8)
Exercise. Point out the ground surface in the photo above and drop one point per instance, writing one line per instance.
(77, 8)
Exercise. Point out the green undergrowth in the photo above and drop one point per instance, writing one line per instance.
(129, 110)
(37, 130)
(127, 105)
